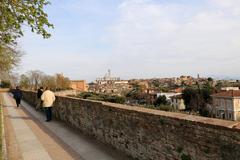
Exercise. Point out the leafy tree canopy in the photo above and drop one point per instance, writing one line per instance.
(210, 79)
(161, 100)
(196, 99)
(15, 13)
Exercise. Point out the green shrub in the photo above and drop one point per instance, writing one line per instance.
(102, 97)
(185, 157)
(115, 99)
(85, 95)
(179, 149)
(5, 84)
(96, 98)
(165, 108)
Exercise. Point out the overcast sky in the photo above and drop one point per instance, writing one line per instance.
(137, 39)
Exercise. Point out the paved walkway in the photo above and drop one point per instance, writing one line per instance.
(29, 137)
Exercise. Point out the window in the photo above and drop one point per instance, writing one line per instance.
(229, 104)
(218, 102)
(229, 116)
(223, 115)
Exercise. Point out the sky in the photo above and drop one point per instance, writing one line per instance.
(137, 39)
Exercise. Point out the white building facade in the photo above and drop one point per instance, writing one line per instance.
(226, 105)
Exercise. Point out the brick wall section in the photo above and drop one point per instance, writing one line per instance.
(150, 134)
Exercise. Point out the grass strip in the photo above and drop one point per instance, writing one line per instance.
(1, 129)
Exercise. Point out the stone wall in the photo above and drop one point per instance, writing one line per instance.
(4, 89)
(147, 134)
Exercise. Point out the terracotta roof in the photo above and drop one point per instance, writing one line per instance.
(178, 90)
(230, 93)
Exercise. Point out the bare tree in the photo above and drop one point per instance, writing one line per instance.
(49, 81)
(62, 82)
(24, 82)
(35, 77)
(10, 57)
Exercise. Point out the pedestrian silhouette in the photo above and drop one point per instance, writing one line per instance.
(17, 95)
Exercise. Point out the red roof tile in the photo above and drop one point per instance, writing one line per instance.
(178, 90)
(231, 93)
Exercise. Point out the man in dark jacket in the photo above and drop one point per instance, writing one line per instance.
(17, 95)
(39, 101)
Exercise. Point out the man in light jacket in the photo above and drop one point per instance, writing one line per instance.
(48, 98)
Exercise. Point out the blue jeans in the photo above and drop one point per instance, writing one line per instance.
(49, 113)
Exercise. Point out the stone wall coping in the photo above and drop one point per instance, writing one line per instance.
(182, 116)
(4, 89)
(233, 125)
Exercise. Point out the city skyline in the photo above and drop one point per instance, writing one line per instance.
(137, 39)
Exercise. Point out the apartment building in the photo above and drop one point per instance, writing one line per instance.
(226, 105)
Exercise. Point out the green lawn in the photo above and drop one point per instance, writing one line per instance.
(1, 127)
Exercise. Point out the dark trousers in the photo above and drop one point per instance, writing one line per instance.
(18, 101)
(39, 104)
(49, 113)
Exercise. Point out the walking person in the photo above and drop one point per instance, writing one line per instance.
(39, 101)
(48, 98)
(17, 95)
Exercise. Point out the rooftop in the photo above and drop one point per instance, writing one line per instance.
(231, 93)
